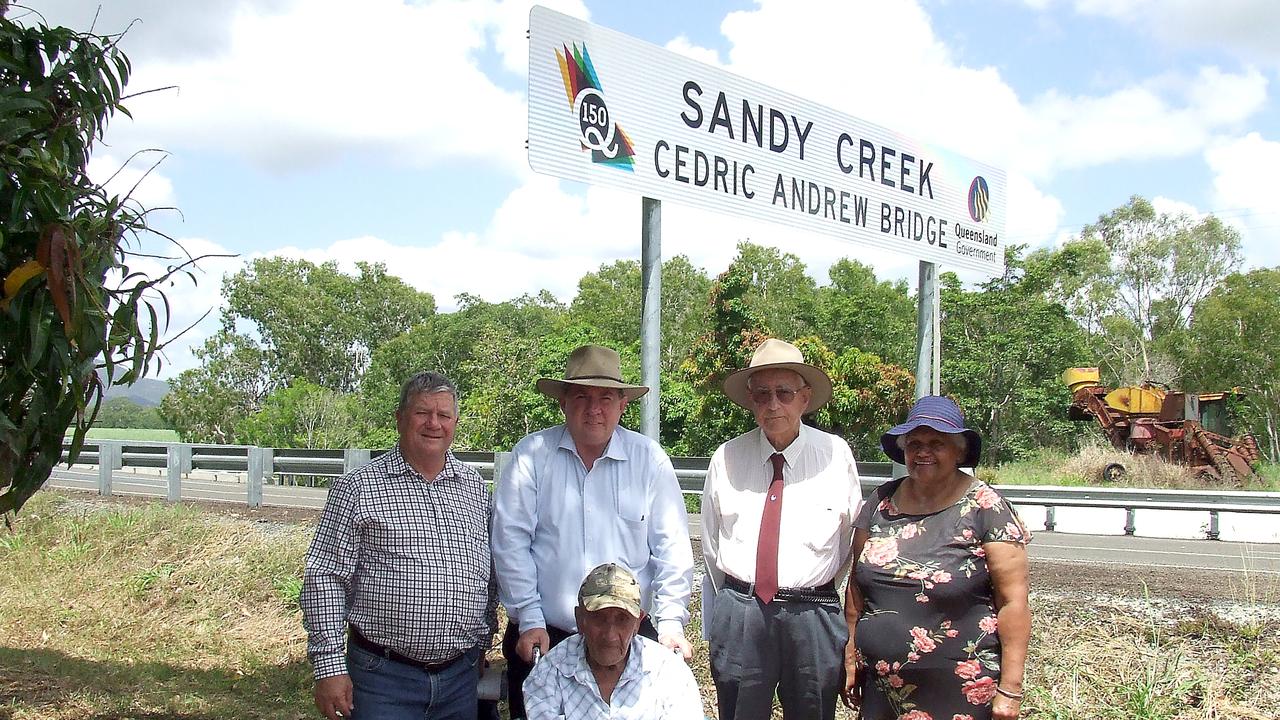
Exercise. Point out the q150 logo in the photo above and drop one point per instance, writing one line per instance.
(599, 133)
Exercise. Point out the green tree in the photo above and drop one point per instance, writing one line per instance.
(1004, 347)
(303, 415)
(317, 323)
(206, 403)
(121, 412)
(858, 311)
(610, 300)
(1132, 278)
(1234, 341)
(70, 300)
(779, 290)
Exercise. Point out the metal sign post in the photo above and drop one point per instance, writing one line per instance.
(651, 313)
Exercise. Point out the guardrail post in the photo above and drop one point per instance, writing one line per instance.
(1214, 529)
(1050, 518)
(500, 462)
(269, 465)
(108, 461)
(173, 470)
(184, 455)
(353, 459)
(1130, 521)
(255, 477)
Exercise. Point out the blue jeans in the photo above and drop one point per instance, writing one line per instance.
(388, 690)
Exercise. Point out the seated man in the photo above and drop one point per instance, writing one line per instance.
(607, 670)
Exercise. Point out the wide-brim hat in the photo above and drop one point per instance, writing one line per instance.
(941, 414)
(594, 366)
(776, 354)
(610, 585)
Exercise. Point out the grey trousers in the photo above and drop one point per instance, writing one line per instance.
(793, 648)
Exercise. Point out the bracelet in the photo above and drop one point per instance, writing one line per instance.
(1008, 694)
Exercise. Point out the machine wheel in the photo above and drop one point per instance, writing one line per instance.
(1113, 472)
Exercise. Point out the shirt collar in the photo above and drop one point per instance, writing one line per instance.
(397, 466)
(792, 452)
(614, 450)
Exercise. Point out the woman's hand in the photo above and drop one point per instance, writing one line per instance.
(1005, 708)
(853, 667)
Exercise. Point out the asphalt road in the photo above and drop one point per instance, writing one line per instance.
(1051, 547)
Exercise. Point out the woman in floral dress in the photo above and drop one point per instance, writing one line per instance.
(937, 606)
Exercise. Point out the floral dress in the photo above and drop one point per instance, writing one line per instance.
(927, 638)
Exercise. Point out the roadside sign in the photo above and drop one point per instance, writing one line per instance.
(608, 109)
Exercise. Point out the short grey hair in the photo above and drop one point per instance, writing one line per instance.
(959, 439)
(425, 383)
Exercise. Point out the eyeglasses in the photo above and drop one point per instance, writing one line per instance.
(760, 396)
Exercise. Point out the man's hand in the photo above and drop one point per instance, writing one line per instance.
(679, 644)
(531, 638)
(333, 696)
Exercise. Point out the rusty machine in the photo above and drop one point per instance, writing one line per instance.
(1185, 428)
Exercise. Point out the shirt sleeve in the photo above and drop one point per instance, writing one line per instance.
(515, 511)
(998, 521)
(541, 699)
(326, 581)
(711, 520)
(684, 702)
(670, 552)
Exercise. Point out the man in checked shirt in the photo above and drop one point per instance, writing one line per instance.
(398, 598)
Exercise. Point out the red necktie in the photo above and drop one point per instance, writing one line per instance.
(767, 547)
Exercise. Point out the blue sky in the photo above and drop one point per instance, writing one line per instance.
(393, 132)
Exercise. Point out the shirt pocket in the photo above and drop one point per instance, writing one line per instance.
(823, 529)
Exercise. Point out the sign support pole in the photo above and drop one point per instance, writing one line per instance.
(927, 335)
(651, 313)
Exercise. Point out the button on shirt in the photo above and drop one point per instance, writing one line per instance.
(655, 685)
(553, 522)
(405, 560)
(821, 496)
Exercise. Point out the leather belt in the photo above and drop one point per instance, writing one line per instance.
(825, 593)
(368, 645)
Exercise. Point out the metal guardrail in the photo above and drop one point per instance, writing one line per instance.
(261, 465)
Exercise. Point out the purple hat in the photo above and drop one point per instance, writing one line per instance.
(941, 414)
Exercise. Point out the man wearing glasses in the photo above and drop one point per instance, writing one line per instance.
(773, 617)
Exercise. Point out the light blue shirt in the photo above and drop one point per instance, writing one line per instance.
(553, 522)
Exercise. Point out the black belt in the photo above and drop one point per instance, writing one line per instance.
(825, 593)
(368, 645)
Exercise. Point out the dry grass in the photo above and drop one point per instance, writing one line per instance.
(170, 612)
(1145, 471)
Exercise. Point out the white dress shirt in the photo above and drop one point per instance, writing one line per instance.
(553, 522)
(656, 684)
(821, 496)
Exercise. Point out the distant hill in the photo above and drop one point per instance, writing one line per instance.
(147, 391)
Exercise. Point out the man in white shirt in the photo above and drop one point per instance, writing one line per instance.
(774, 621)
(581, 494)
(608, 671)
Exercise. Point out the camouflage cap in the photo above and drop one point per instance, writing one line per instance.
(610, 585)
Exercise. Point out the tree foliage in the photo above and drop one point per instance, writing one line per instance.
(1234, 341)
(875, 316)
(71, 300)
(1132, 278)
(121, 412)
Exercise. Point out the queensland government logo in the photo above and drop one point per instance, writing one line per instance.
(600, 134)
(979, 199)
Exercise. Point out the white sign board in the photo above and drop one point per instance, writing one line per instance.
(607, 109)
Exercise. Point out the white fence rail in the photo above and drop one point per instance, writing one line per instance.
(275, 466)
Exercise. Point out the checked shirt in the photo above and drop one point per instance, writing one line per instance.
(656, 684)
(405, 560)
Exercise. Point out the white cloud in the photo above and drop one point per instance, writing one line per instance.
(290, 87)
(1246, 28)
(138, 179)
(1244, 193)
(511, 23)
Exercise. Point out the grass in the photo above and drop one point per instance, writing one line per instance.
(167, 611)
(141, 434)
(1052, 467)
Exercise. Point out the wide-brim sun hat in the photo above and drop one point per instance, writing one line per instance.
(593, 366)
(941, 414)
(774, 354)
